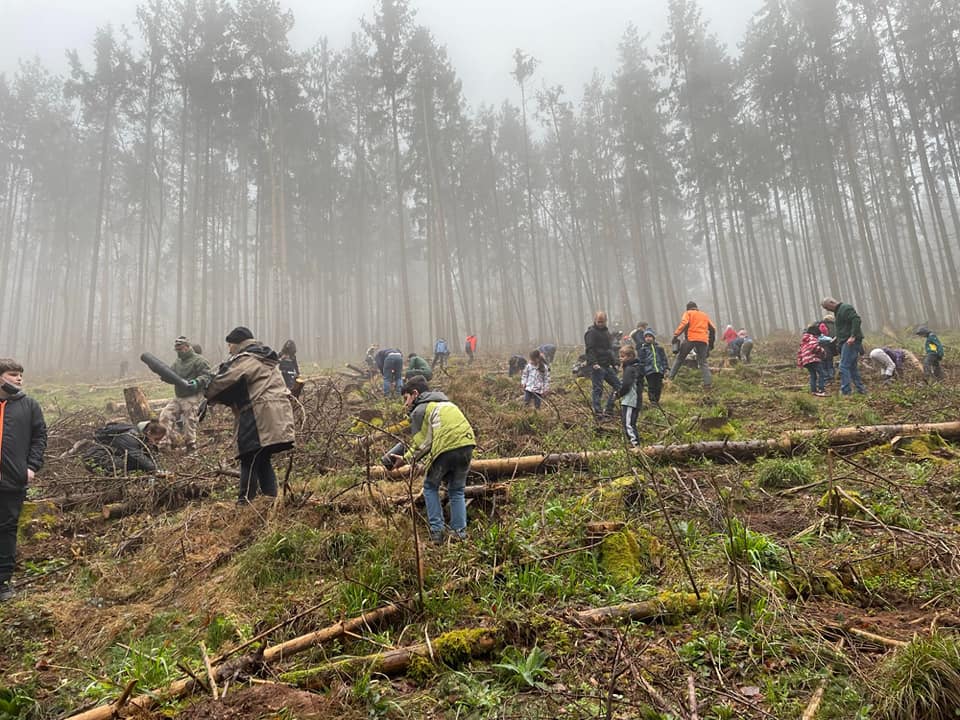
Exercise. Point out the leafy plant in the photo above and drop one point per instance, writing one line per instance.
(15, 704)
(524, 671)
(753, 548)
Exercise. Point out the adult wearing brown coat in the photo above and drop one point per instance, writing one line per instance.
(250, 383)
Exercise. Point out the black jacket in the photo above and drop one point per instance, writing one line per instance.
(121, 448)
(632, 375)
(599, 346)
(290, 369)
(23, 438)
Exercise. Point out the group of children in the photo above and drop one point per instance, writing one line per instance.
(643, 365)
(818, 348)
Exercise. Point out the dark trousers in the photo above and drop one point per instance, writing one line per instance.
(256, 471)
(702, 351)
(599, 376)
(931, 367)
(654, 383)
(11, 503)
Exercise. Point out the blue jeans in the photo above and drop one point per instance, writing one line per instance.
(598, 376)
(828, 370)
(817, 376)
(849, 369)
(392, 371)
(450, 467)
(532, 397)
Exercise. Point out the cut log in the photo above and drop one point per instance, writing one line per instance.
(154, 405)
(138, 409)
(789, 442)
(453, 649)
(665, 605)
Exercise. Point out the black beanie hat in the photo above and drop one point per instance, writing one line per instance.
(239, 334)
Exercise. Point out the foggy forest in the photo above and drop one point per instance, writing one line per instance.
(198, 173)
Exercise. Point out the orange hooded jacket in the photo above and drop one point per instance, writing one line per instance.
(697, 325)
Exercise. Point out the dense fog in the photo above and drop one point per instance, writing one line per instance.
(204, 174)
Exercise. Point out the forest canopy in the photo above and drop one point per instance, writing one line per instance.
(199, 173)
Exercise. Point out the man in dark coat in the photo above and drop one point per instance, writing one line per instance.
(850, 342)
(23, 438)
(601, 359)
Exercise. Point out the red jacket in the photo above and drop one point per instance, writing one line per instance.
(810, 351)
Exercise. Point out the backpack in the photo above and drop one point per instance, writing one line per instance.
(441, 347)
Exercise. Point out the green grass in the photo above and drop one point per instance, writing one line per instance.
(920, 680)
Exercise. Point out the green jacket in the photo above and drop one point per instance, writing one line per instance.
(418, 366)
(191, 366)
(848, 323)
(438, 426)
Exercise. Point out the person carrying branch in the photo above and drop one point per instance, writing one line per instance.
(443, 441)
(250, 384)
(185, 404)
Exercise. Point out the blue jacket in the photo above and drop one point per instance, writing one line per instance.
(653, 359)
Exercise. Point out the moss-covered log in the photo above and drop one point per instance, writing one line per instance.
(789, 442)
(665, 605)
(451, 649)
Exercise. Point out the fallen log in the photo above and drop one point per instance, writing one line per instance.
(185, 686)
(491, 490)
(794, 441)
(665, 605)
(452, 649)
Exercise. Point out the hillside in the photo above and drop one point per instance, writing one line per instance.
(806, 585)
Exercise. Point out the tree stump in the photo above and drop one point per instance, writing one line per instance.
(137, 406)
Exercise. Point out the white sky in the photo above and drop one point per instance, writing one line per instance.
(570, 37)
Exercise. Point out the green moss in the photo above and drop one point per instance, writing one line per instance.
(458, 646)
(625, 556)
(835, 503)
(421, 668)
(682, 603)
(727, 431)
(815, 583)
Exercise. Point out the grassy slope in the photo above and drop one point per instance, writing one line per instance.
(110, 601)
